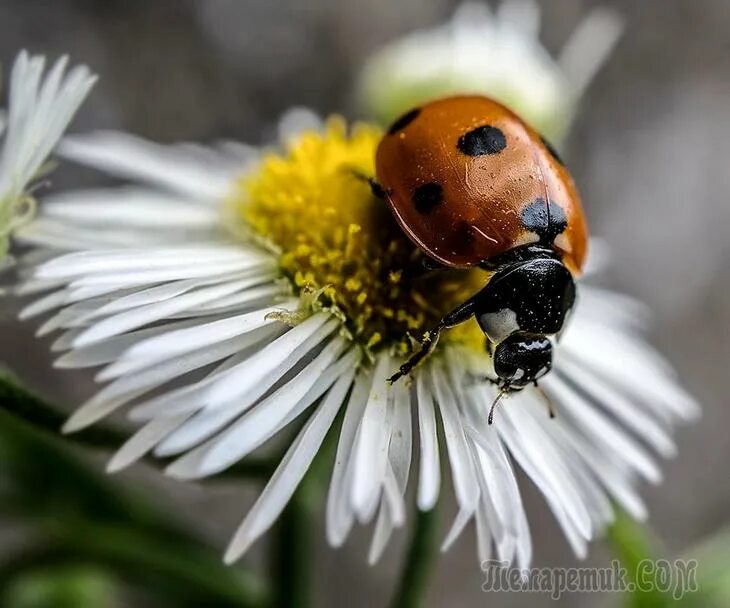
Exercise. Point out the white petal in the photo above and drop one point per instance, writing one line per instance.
(392, 508)
(168, 291)
(38, 113)
(484, 537)
(400, 450)
(115, 260)
(576, 538)
(190, 398)
(145, 277)
(339, 516)
(171, 344)
(123, 155)
(600, 429)
(52, 233)
(266, 419)
(258, 425)
(538, 454)
(290, 471)
(270, 361)
(606, 308)
(618, 406)
(589, 46)
(45, 304)
(429, 476)
(522, 15)
(144, 315)
(245, 300)
(617, 481)
(143, 441)
(496, 478)
(110, 349)
(31, 287)
(464, 477)
(123, 390)
(502, 483)
(383, 531)
(371, 444)
(129, 206)
(463, 517)
(391, 515)
(631, 367)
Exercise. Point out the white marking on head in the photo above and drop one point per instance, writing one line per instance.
(498, 325)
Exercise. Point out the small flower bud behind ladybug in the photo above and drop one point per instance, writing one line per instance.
(472, 185)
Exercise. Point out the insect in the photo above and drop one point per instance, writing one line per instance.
(472, 185)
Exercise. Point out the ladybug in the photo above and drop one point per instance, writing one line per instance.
(472, 185)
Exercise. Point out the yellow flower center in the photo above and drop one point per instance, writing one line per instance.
(312, 205)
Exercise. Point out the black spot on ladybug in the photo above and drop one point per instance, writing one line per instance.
(482, 140)
(402, 122)
(546, 220)
(552, 150)
(427, 196)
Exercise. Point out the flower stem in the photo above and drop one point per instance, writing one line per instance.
(22, 403)
(416, 574)
(292, 550)
(633, 543)
(79, 515)
(293, 561)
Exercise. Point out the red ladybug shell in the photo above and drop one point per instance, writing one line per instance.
(468, 180)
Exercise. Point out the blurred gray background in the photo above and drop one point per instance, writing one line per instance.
(650, 150)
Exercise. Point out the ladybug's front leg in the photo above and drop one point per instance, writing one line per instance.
(430, 338)
(377, 190)
(421, 266)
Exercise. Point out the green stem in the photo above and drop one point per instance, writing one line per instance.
(293, 562)
(416, 574)
(632, 543)
(187, 576)
(293, 540)
(82, 516)
(47, 418)
(22, 403)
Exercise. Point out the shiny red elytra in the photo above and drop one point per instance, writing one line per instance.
(468, 180)
(472, 185)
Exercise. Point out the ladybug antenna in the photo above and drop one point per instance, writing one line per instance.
(546, 399)
(502, 392)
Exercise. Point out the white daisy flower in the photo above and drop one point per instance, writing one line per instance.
(498, 54)
(39, 110)
(229, 295)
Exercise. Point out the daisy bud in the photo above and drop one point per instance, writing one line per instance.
(498, 54)
(40, 107)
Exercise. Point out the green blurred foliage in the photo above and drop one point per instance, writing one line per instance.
(76, 515)
(709, 586)
(61, 587)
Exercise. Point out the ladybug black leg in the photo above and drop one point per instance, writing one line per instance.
(548, 401)
(377, 190)
(423, 266)
(430, 264)
(428, 343)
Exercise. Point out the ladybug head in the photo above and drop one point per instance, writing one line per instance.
(522, 358)
(519, 360)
